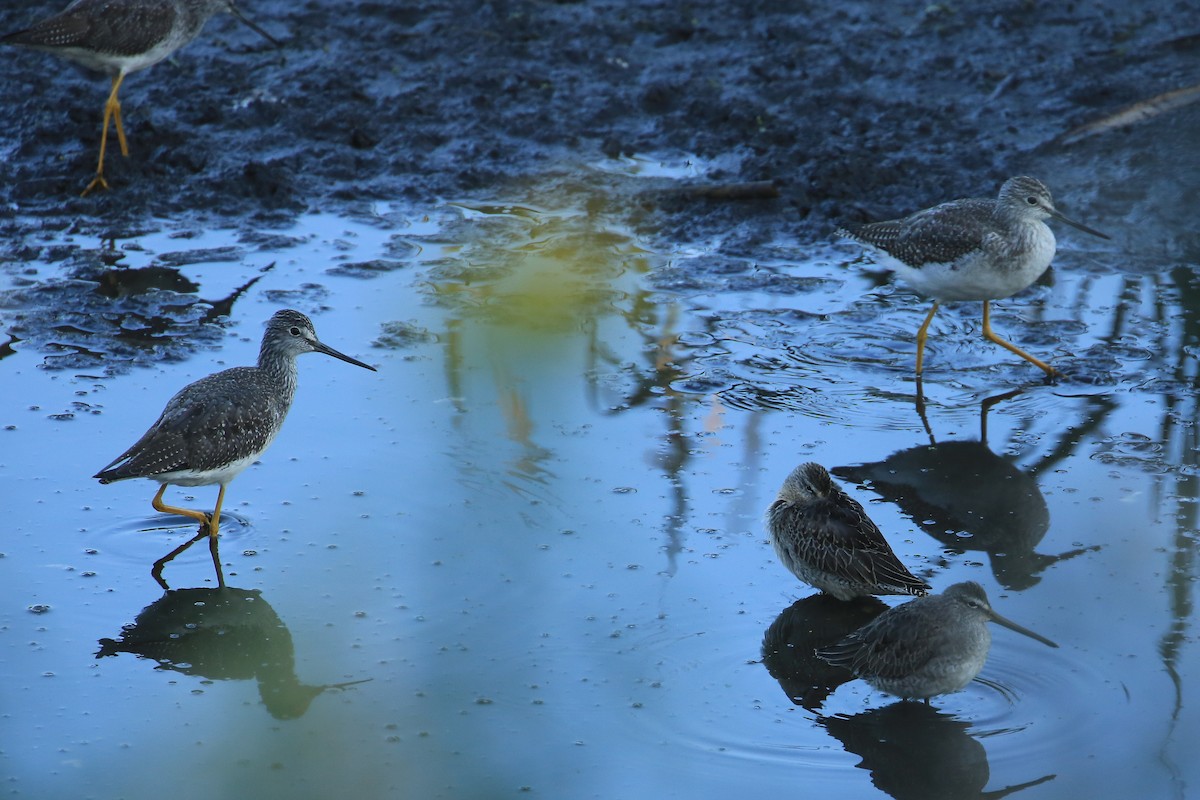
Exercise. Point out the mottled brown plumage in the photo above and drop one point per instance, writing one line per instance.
(827, 540)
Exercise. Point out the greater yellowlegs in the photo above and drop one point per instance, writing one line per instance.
(216, 427)
(929, 646)
(827, 540)
(119, 37)
(973, 249)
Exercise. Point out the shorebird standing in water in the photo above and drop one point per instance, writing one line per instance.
(214, 428)
(973, 249)
(929, 646)
(827, 540)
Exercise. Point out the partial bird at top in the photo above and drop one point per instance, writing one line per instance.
(119, 37)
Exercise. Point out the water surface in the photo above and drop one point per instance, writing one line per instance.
(536, 533)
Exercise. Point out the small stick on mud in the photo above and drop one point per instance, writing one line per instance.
(751, 190)
(1138, 112)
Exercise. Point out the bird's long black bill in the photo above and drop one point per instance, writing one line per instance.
(1012, 626)
(245, 21)
(320, 347)
(1080, 226)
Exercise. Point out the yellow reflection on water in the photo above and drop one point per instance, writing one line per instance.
(541, 271)
(537, 300)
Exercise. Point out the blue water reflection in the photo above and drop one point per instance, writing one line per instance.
(540, 531)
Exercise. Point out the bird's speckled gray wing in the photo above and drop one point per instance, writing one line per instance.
(888, 647)
(207, 425)
(839, 538)
(113, 27)
(939, 235)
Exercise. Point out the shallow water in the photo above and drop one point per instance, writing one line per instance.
(536, 533)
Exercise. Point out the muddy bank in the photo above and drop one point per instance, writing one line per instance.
(853, 109)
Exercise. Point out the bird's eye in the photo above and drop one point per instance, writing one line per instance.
(1031, 200)
(294, 331)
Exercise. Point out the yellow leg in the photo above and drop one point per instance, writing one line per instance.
(112, 109)
(1012, 348)
(216, 520)
(157, 570)
(190, 513)
(116, 110)
(922, 335)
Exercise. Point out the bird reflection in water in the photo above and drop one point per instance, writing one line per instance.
(915, 751)
(790, 644)
(221, 634)
(969, 498)
(214, 550)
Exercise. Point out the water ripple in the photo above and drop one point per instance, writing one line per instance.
(133, 541)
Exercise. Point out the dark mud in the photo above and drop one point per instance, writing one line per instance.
(852, 109)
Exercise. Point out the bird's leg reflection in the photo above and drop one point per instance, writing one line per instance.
(986, 405)
(919, 400)
(216, 559)
(157, 570)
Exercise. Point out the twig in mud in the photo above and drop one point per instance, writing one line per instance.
(751, 190)
(1138, 112)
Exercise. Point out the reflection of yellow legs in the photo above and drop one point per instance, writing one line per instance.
(156, 572)
(1009, 346)
(112, 112)
(208, 527)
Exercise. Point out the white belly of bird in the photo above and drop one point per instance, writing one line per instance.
(986, 274)
(222, 475)
(113, 64)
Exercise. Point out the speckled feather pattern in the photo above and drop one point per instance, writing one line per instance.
(115, 34)
(213, 422)
(214, 428)
(970, 249)
(929, 646)
(826, 539)
(937, 235)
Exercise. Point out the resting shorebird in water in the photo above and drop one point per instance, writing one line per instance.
(827, 540)
(929, 646)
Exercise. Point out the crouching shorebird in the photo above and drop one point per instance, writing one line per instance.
(216, 427)
(120, 37)
(973, 249)
(926, 647)
(827, 540)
